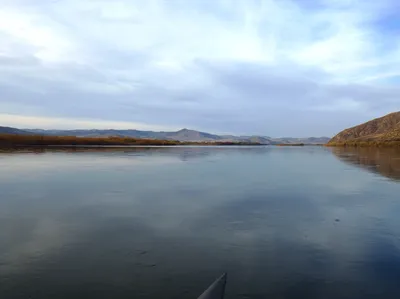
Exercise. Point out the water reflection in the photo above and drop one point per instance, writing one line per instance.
(184, 153)
(383, 161)
(147, 223)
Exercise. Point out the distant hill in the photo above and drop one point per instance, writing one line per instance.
(191, 135)
(97, 133)
(306, 140)
(258, 139)
(181, 135)
(385, 129)
(14, 131)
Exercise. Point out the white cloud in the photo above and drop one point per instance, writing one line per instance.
(33, 30)
(165, 54)
(342, 104)
(172, 34)
(34, 122)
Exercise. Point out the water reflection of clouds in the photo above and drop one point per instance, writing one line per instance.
(50, 205)
(26, 164)
(31, 164)
(28, 240)
(236, 215)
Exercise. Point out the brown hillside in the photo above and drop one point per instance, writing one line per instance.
(383, 129)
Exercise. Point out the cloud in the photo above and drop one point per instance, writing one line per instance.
(65, 123)
(262, 67)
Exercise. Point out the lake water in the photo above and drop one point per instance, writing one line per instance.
(284, 222)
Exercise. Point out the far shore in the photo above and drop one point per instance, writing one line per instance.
(105, 148)
(11, 142)
(364, 144)
(18, 141)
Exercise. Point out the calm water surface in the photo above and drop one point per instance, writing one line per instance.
(306, 222)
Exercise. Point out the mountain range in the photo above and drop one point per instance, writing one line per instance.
(384, 129)
(13, 131)
(181, 135)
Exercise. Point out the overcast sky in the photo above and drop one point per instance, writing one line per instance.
(277, 68)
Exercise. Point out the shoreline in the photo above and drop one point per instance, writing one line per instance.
(105, 148)
(87, 148)
(364, 144)
(18, 141)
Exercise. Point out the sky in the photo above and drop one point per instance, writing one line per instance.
(266, 67)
